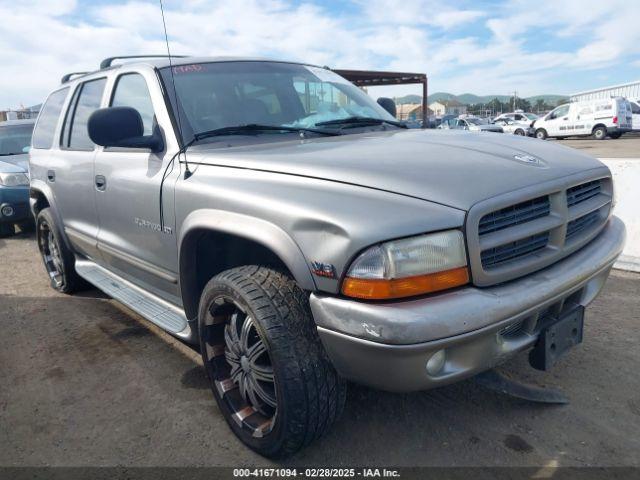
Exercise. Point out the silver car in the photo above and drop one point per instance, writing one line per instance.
(278, 217)
(515, 127)
(470, 124)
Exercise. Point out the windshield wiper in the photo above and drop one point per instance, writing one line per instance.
(360, 121)
(256, 128)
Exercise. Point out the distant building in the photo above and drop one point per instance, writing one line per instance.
(448, 107)
(410, 111)
(628, 90)
(20, 114)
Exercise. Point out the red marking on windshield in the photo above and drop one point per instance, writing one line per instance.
(194, 68)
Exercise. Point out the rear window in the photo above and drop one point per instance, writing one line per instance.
(86, 100)
(14, 139)
(48, 120)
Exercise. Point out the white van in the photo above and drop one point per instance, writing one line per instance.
(635, 113)
(599, 118)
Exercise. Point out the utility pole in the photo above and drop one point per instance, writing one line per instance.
(515, 96)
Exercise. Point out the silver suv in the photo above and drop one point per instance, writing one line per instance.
(274, 214)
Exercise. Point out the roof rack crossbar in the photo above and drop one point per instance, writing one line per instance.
(106, 63)
(68, 76)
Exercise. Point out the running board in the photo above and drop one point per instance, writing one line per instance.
(154, 309)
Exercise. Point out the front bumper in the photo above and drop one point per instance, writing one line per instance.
(387, 345)
(18, 199)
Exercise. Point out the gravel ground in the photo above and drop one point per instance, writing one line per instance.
(627, 146)
(85, 382)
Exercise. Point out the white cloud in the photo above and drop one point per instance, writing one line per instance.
(464, 46)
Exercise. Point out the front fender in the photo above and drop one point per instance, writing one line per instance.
(260, 231)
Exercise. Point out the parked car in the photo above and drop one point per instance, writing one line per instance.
(518, 116)
(596, 118)
(274, 214)
(635, 114)
(15, 138)
(471, 124)
(515, 127)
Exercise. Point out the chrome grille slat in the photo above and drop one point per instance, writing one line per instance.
(578, 225)
(583, 192)
(519, 232)
(494, 257)
(514, 215)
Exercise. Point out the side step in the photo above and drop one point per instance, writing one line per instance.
(154, 309)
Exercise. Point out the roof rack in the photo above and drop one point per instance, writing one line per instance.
(106, 63)
(68, 76)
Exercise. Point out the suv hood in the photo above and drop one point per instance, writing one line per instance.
(454, 168)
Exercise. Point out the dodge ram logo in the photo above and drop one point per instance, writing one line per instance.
(529, 160)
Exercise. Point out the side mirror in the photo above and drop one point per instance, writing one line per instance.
(388, 104)
(26, 149)
(122, 127)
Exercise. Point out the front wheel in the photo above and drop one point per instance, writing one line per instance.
(616, 135)
(541, 134)
(599, 133)
(59, 261)
(267, 369)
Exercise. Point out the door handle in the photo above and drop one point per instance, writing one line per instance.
(101, 183)
(51, 175)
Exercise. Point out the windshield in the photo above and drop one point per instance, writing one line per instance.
(227, 94)
(15, 139)
(531, 116)
(475, 121)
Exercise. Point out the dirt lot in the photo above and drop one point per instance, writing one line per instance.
(83, 382)
(627, 146)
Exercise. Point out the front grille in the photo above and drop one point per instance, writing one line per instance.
(514, 215)
(574, 227)
(494, 257)
(510, 236)
(582, 193)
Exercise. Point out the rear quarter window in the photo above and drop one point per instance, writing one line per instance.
(48, 120)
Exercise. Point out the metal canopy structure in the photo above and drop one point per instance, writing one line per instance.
(371, 78)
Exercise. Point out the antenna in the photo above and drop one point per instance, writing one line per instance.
(187, 172)
(182, 148)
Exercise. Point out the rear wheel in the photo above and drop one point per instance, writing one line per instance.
(59, 261)
(599, 133)
(268, 370)
(541, 134)
(519, 132)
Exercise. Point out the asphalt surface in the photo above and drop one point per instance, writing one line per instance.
(627, 146)
(85, 382)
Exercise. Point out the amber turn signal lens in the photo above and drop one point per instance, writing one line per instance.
(377, 289)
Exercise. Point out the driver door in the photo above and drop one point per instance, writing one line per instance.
(128, 180)
(559, 122)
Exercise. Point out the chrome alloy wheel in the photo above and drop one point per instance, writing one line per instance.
(50, 254)
(239, 358)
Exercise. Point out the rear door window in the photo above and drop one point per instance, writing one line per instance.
(86, 100)
(48, 120)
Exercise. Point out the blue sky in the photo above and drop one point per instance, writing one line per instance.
(481, 47)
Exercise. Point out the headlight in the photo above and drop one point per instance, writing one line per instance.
(411, 266)
(14, 179)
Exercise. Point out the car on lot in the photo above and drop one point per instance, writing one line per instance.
(275, 215)
(15, 139)
(515, 127)
(471, 124)
(517, 116)
(597, 118)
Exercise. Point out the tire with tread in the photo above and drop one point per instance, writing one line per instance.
(71, 281)
(310, 394)
(599, 133)
(541, 134)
